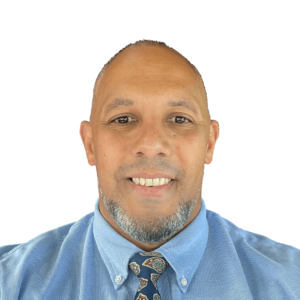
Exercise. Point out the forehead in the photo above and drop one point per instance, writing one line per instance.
(150, 65)
(149, 73)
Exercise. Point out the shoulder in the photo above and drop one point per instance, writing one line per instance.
(38, 262)
(263, 260)
(51, 237)
(261, 244)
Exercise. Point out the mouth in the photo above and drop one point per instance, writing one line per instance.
(151, 191)
(148, 186)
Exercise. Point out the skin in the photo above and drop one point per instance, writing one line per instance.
(152, 140)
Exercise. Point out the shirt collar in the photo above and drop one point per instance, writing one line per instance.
(183, 252)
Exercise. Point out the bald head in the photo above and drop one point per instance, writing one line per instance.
(150, 115)
(147, 55)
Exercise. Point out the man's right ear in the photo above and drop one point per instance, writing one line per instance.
(85, 133)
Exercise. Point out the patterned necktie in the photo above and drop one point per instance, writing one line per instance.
(147, 266)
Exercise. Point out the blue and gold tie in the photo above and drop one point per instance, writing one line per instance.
(147, 266)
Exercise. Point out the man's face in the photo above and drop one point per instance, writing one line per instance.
(150, 136)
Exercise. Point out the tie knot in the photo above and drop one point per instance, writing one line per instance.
(148, 266)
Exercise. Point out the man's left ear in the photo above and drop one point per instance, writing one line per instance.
(214, 134)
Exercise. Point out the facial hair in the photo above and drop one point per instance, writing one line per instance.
(153, 231)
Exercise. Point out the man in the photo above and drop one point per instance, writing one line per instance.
(150, 235)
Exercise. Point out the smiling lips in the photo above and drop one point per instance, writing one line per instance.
(151, 190)
(151, 182)
(146, 175)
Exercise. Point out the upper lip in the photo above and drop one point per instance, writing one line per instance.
(150, 176)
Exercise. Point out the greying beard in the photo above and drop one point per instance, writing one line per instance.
(154, 231)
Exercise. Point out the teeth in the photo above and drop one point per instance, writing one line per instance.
(151, 182)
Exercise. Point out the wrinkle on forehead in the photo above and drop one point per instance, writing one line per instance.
(150, 69)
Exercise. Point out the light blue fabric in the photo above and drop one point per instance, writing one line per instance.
(86, 259)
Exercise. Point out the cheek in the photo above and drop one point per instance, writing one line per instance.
(189, 147)
(110, 153)
(190, 151)
(107, 148)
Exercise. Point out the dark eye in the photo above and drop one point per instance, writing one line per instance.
(180, 117)
(121, 120)
(124, 117)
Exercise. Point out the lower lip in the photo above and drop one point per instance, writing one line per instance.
(155, 191)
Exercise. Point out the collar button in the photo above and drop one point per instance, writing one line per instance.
(183, 281)
(118, 279)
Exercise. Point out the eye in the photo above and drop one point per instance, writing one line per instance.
(121, 119)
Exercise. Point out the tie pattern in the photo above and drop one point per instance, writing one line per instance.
(147, 266)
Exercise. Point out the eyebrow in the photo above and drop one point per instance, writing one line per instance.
(119, 102)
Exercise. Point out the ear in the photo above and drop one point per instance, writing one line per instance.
(214, 134)
(85, 133)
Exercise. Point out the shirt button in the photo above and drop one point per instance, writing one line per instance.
(118, 279)
(183, 281)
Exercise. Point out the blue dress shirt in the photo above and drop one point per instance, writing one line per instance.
(210, 259)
